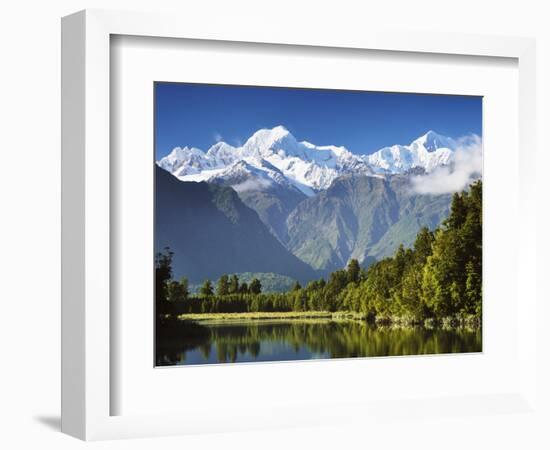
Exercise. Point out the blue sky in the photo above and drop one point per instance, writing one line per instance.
(199, 115)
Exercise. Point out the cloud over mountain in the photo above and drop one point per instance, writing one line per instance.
(466, 165)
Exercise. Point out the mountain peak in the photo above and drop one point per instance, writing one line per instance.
(269, 135)
(181, 152)
(267, 140)
(280, 129)
(179, 156)
(220, 147)
(431, 141)
(429, 151)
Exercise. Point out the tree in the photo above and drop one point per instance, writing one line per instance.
(337, 281)
(452, 274)
(423, 245)
(296, 286)
(440, 274)
(163, 275)
(362, 275)
(243, 288)
(255, 286)
(223, 286)
(378, 287)
(206, 289)
(299, 300)
(399, 263)
(473, 290)
(178, 291)
(411, 296)
(234, 284)
(184, 288)
(354, 271)
(458, 212)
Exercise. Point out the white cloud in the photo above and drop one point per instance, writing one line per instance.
(218, 137)
(252, 185)
(467, 164)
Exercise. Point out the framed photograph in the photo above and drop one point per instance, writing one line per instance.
(272, 248)
(283, 211)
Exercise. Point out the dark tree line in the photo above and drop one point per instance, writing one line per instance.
(440, 276)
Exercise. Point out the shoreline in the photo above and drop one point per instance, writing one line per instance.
(471, 322)
(204, 317)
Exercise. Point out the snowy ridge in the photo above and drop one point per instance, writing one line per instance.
(274, 157)
(428, 152)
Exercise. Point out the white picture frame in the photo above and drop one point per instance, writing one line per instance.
(86, 221)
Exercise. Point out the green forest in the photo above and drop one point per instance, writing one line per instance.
(439, 278)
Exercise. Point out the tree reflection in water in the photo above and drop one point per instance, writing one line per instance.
(293, 339)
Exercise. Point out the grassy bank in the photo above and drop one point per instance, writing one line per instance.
(257, 315)
(276, 315)
(390, 321)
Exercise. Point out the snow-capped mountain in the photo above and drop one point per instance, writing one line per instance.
(428, 152)
(274, 156)
(313, 199)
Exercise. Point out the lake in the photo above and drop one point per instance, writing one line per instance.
(291, 340)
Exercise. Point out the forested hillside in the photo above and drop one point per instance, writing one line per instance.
(440, 276)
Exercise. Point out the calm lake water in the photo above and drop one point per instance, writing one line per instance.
(288, 340)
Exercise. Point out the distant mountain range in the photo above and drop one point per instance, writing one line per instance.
(275, 156)
(277, 205)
